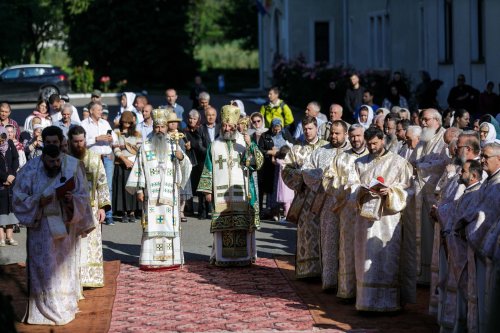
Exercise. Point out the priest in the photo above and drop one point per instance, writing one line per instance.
(384, 178)
(228, 184)
(91, 259)
(307, 261)
(160, 171)
(51, 199)
(316, 179)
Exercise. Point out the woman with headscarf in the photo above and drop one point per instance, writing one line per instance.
(127, 104)
(281, 136)
(9, 163)
(261, 136)
(487, 134)
(488, 118)
(238, 103)
(365, 117)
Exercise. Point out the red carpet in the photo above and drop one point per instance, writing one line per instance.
(204, 298)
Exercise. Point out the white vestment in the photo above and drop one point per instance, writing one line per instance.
(53, 239)
(161, 182)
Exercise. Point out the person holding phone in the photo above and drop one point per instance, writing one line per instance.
(100, 139)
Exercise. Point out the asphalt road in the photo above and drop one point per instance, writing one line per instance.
(122, 241)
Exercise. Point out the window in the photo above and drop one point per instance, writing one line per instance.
(11, 74)
(322, 42)
(379, 40)
(477, 30)
(33, 71)
(446, 32)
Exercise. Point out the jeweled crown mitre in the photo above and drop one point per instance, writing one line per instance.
(230, 114)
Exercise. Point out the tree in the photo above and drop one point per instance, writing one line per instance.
(239, 21)
(142, 41)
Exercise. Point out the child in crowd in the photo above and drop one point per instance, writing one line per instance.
(284, 195)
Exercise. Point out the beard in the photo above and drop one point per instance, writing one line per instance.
(336, 143)
(160, 145)
(427, 134)
(78, 152)
(231, 135)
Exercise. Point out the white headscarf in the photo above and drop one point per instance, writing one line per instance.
(491, 136)
(369, 119)
(241, 106)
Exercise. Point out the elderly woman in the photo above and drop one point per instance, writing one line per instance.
(125, 149)
(196, 151)
(261, 136)
(35, 145)
(9, 163)
(487, 134)
(281, 136)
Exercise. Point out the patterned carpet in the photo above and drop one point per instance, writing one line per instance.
(203, 298)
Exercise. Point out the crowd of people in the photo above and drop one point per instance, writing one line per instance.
(384, 199)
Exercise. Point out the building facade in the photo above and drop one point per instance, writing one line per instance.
(443, 37)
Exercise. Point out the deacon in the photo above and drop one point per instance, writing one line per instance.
(384, 176)
(308, 261)
(313, 172)
(91, 259)
(228, 184)
(51, 199)
(160, 171)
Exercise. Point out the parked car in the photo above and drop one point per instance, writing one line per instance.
(26, 83)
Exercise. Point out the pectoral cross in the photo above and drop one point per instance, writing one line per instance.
(159, 219)
(150, 155)
(220, 161)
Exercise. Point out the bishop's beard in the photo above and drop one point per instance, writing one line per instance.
(229, 135)
(160, 145)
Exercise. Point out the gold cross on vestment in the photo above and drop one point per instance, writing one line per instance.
(220, 161)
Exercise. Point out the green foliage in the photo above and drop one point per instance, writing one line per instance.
(226, 55)
(203, 26)
(142, 41)
(57, 56)
(239, 21)
(83, 78)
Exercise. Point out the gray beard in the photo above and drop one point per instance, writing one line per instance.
(427, 134)
(229, 135)
(160, 145)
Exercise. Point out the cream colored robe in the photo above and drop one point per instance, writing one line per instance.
(53, 253)
(378, 242)
(91, 259)
(308, 261)
(313, 172)
(430, 161)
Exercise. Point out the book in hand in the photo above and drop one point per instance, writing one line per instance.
(376, 185)
(68, 186)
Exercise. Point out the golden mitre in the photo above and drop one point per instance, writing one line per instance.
(160, 116)
(230, 114)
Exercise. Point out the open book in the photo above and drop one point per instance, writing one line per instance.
(68, 186)
(375, 185)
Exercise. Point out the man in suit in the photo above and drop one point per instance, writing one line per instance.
(210, 131)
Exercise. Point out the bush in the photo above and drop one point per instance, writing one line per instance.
(83, 78)
(301, 82)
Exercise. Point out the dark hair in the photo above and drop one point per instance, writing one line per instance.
(460, 113)
(76, 130)
(405, 123)
(51, 131)
(54, 98)
(284, 150)
(309, 120)
(475, 168)
(340, 123)
(275, 89)
(369, 90)
(51, 150)
(139, 97)
(372, 132)
(131, 129)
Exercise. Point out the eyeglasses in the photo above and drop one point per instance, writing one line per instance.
(256, 121)
(427, 119)
(484, 132)
(486, 156)
(458, 147)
